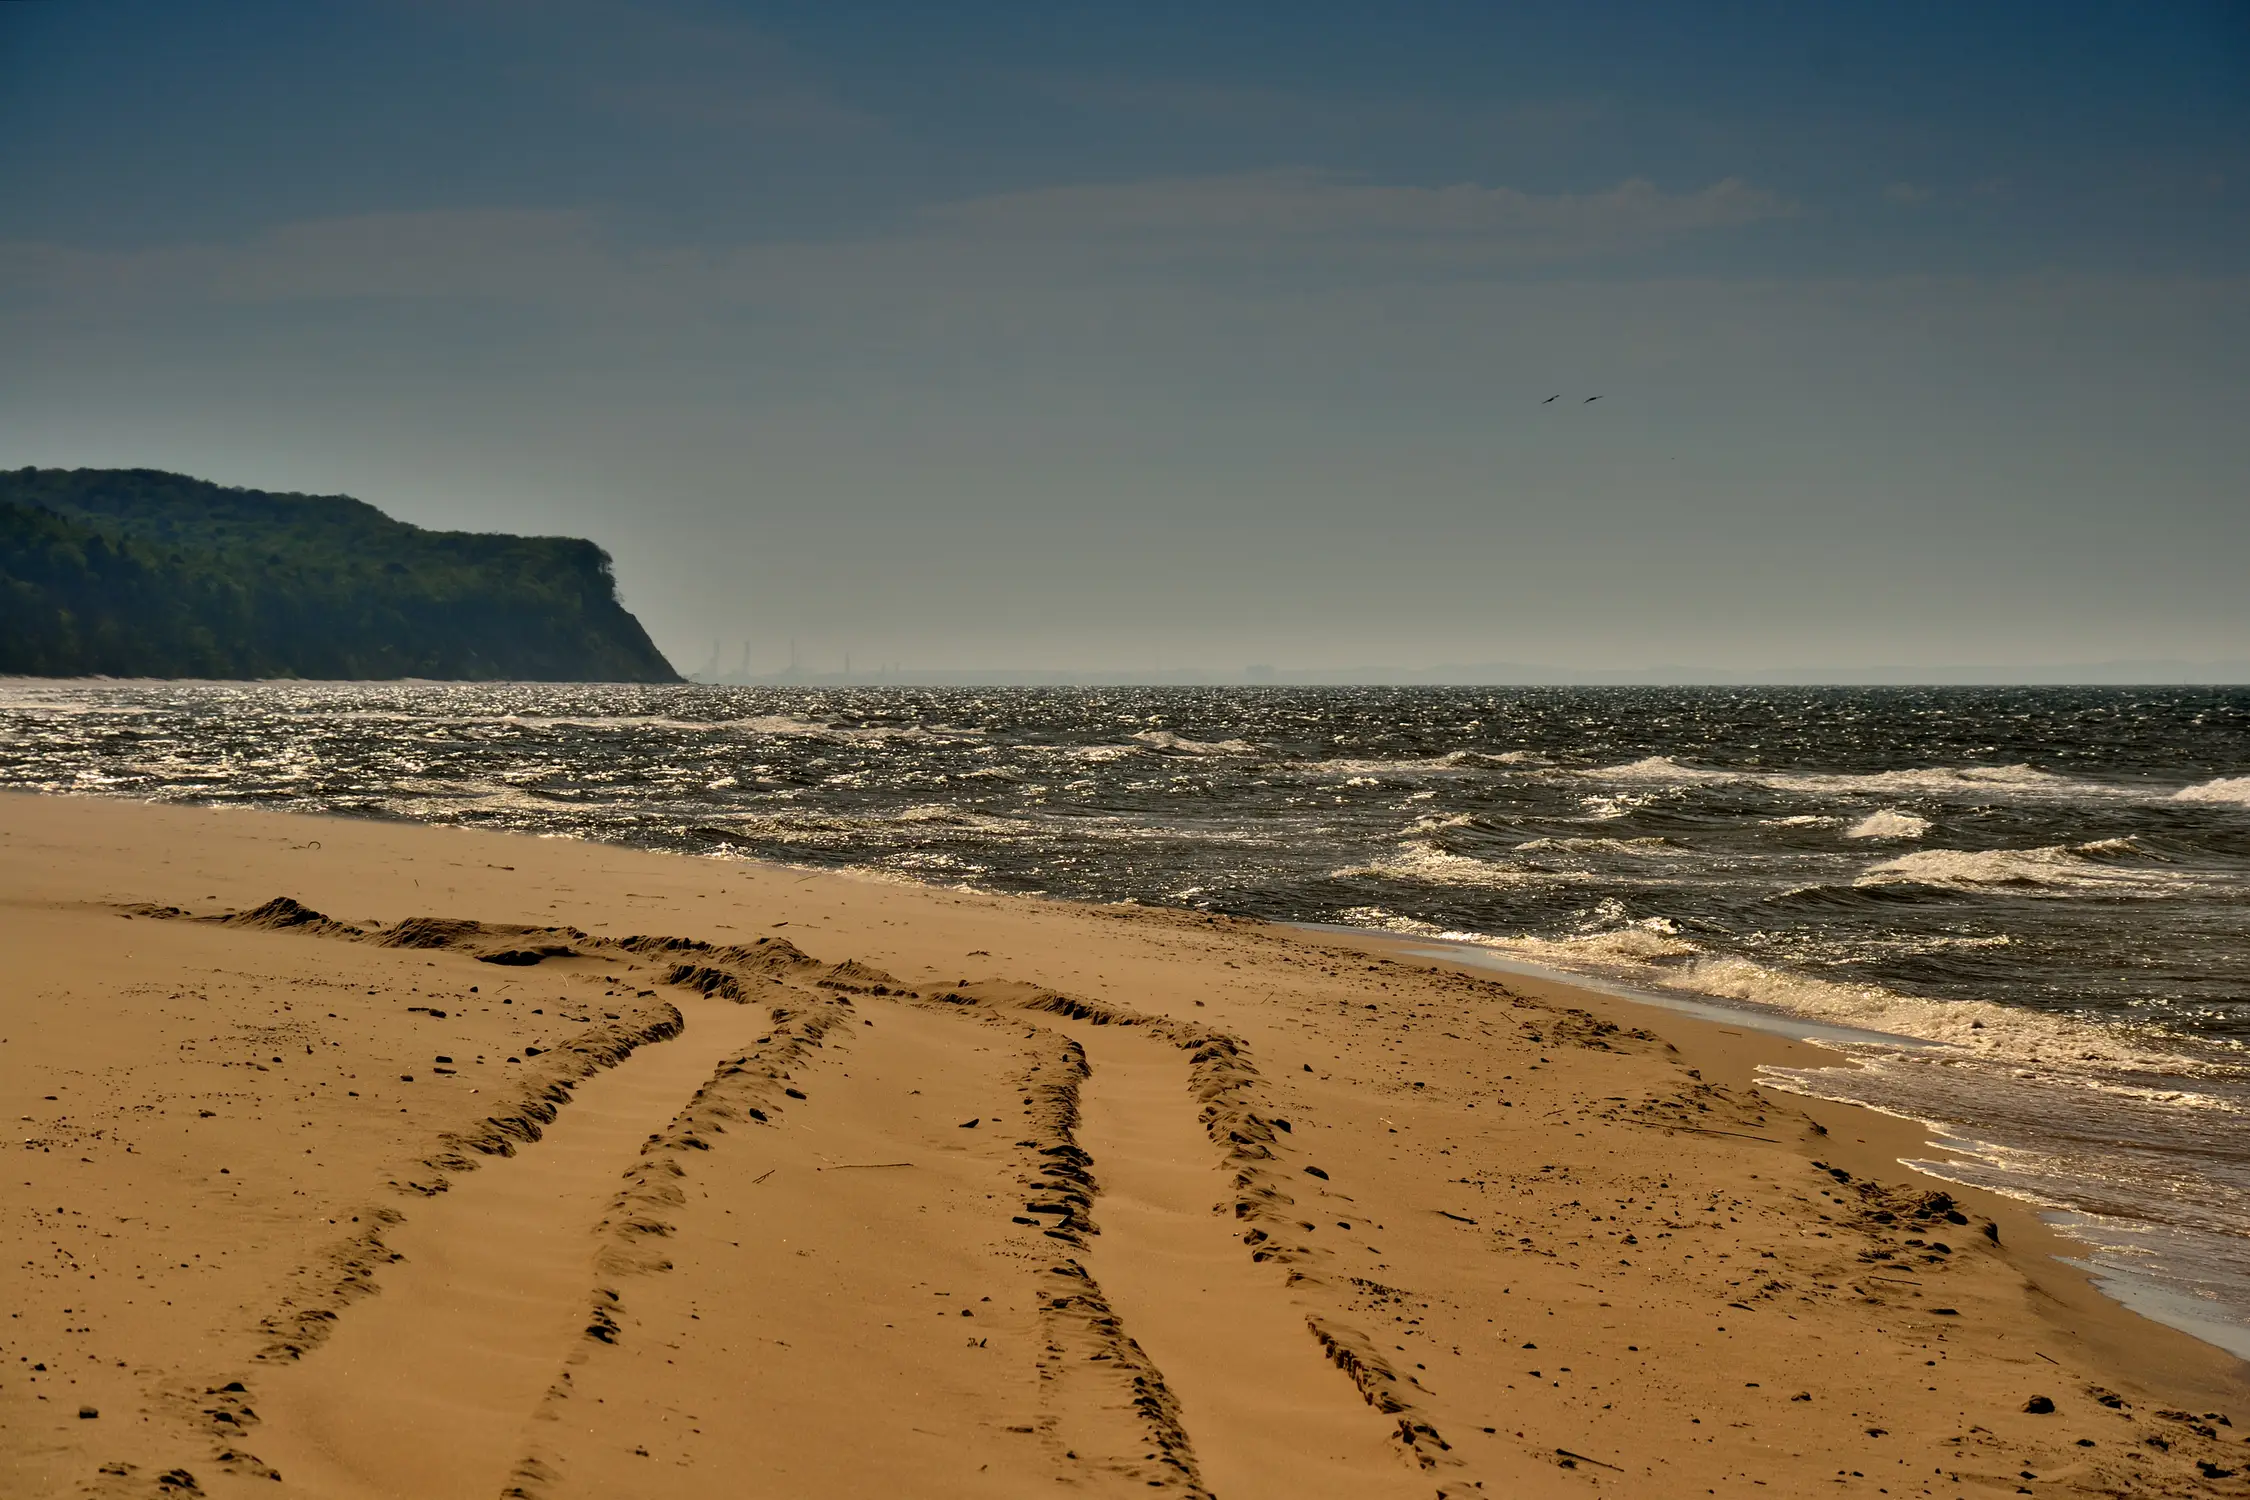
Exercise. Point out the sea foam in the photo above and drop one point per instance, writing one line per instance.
(1652, 955)
(2116, 867)
(1889, 823)
(2234, 789)
(1978, 782)
(1425, 863)
(1165, 739)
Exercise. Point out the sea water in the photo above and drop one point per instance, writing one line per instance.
(2021, 915)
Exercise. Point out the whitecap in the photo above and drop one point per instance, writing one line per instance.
(1630, 948)
(2054, 870)
(1651, 955)
(1980, 781)
(1663, 769)
(1439, 822)
(2016, 780)
(1424, 862)
(1889, 823)
(2234, 789)
(1597, 846)
(593, 721)
(1164, 739)
(1456, 760)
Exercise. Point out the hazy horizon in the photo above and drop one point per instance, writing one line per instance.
(1017, 339)
(714, 671)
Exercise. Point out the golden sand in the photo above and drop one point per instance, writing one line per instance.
(627, 1174)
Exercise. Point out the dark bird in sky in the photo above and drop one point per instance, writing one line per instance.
(1591, 398)
(1555, 397)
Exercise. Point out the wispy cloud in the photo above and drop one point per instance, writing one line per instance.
(1203, 104)
(1311, 210)
(563, 256)
(509, 254)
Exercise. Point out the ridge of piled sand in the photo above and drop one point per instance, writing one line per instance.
(486, 1165)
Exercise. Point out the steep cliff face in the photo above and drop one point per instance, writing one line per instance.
(140, 573)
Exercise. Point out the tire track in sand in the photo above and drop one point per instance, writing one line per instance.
(1268, 1414)
(423, 1392)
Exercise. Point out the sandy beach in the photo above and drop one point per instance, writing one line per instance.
(360, 1159)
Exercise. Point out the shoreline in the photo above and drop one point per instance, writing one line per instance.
(1458, 1203)
(1871, 1141)
(2144, 1300)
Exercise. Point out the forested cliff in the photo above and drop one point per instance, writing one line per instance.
(141, 573)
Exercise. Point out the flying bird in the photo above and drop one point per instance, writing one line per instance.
(1557, 396)
(1591, 398)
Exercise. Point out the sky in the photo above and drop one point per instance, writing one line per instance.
(1161, 336)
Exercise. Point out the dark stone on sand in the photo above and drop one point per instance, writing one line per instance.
(524, 958)
(794, 1093)
(87, 1413)
(1316, 1172)
(970, 1124)
(2039, 1405)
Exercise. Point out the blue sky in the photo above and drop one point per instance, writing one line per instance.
(1098, 335)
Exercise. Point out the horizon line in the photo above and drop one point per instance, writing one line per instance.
(2129, 672)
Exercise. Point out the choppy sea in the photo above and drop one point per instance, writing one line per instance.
(2021, 915)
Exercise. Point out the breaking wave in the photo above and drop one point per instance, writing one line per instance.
(1981, 782)
(2114, 867)
(1458, 760)
(1166, 740)
(1889, 824)
(1425, 863)
(1598, 846)
(1652, 955)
